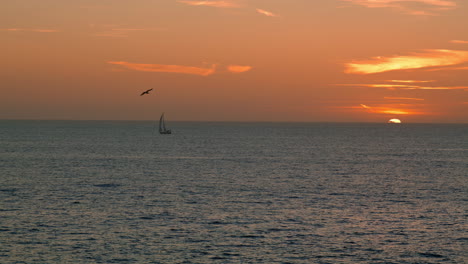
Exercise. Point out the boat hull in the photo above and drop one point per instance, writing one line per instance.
(167, 132)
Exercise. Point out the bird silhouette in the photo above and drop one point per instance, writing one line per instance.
(146, 92)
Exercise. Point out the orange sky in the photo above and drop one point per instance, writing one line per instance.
(235, 60)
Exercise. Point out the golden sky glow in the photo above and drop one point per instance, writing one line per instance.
(235, 60)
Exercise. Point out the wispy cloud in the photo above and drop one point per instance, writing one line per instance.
(39, 30)
(123, 32)
(392, 3)
(266, 13)
(166, 68)
(425, 7)
(461, 68)
(403, 98)
(226, 4)
(428, 58)
(202, 71)
(408, 87)
(459, 41)
(238, 68)
(387, 86)
(436, 88)
(410, 81)
(97, 7)
(212, 3)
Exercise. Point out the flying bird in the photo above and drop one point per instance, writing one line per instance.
(146, 92)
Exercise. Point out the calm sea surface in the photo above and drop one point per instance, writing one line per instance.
(116, 192)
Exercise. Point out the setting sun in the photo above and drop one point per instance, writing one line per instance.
(394, 121)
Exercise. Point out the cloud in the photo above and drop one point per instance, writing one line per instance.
(462, 68)
(436, 88)
(166, 68)
(266, 13)
(459, 41)
(392, 3)
(426, 7)
(123, 32)
(408, 87)
(410, 81)
(238, 68)
(428, 58)
(178, 68)
(225, 4)
(39, 30)
(212, 3)
(388, 86)
(403, 98)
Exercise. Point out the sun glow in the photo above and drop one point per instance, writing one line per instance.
(389, 110)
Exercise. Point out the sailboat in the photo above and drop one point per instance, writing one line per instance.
(162, 126)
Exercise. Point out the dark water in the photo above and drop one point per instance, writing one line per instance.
(113, 192)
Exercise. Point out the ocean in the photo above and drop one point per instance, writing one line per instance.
(117, 192)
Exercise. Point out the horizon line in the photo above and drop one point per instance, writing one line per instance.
(221, 121)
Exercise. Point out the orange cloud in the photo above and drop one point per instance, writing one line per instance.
(463, 68)
(428, 6)
(123, 32)
(392, 3)
(31, 30)
(266, 13)
(436, 88)
(213, 3)
(429, 58)
(403, 98)
(166, 68)
(238, 68)
(459, 41)
(387, 86)
(408, 87)
(409, 81)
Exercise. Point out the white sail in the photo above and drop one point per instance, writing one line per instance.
(162, 126)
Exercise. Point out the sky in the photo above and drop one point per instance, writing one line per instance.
(235, 60)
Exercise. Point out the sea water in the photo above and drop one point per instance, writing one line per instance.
(118, 192)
